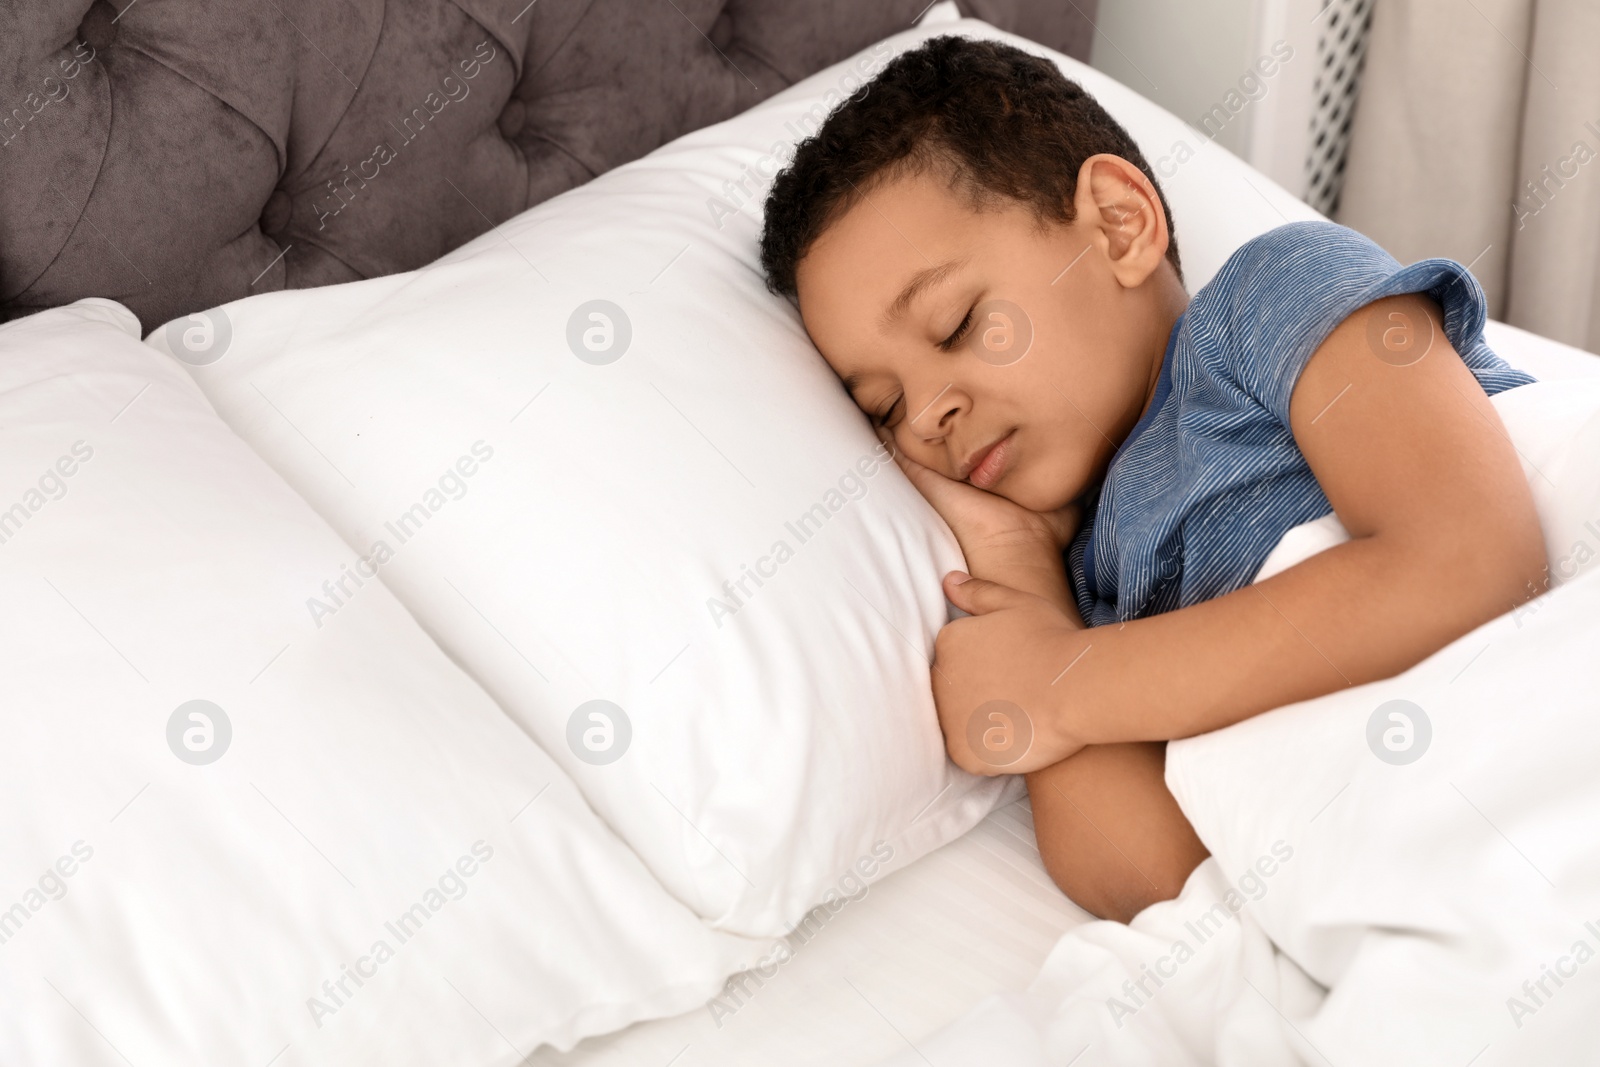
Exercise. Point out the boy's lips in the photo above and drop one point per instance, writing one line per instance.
(984, 468)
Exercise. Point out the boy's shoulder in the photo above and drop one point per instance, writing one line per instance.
(1278, 297)
(1291, 269)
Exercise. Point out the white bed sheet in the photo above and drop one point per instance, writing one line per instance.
(922, 946)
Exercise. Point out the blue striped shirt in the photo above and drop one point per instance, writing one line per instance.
(1210, 478)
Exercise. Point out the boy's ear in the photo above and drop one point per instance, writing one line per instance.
(1123, 215)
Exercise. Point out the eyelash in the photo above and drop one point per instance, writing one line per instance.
(961, 331)
(946, 345)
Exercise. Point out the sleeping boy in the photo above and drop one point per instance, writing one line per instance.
(985, 259)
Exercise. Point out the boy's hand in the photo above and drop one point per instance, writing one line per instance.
(993, 678)
(986, 523)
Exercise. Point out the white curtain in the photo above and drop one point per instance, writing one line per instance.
(1477, 137)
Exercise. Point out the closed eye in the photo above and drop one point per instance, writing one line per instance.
(946, 345)
(961, 331)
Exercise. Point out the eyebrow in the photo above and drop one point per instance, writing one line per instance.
(920, 281)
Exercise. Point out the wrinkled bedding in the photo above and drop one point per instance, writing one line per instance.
(1402, 873)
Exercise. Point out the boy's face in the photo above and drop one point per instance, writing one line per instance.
(962, 330)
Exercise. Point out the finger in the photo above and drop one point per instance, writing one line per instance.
(904, 461)
(976, 596)
(896, 453)
(945, 494)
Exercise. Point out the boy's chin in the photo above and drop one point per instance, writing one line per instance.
(1043, 502)
(1031, 498)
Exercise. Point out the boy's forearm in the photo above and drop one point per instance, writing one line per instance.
(1110, 834)
(1364, 610)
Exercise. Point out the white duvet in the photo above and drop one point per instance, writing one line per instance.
(1402, 873)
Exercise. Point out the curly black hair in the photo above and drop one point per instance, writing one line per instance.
(1002, 121)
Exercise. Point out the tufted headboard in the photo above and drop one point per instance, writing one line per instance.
(177, 154)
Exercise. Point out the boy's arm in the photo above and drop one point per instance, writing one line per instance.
(1110, 833)
(1444, 535)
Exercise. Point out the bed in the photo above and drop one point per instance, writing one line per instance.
(372, 707)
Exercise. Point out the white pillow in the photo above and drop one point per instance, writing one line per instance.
(774, 740)
(158, 908)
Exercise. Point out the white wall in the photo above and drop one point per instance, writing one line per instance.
(1193, 56)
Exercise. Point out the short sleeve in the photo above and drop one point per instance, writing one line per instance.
(1276, 299)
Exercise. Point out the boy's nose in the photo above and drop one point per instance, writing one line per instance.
(930, 421)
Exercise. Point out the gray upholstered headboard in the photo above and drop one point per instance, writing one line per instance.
(177, 154)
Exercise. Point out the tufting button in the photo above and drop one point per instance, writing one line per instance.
(99, 26)
(512, 118)
(275, 215)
